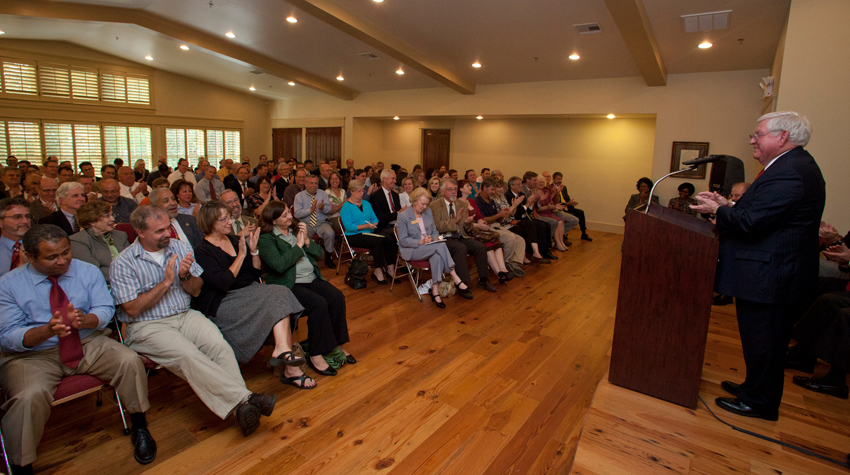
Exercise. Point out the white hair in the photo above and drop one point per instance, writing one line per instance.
(66, 188)
(799, 128)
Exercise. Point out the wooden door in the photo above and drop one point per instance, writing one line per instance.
(435, 148)
(324, 143)
(286, 144)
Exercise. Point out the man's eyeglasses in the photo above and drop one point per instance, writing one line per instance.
(756, 137)
(18, 217)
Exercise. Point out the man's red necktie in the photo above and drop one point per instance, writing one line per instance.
(762, 171)
(212, 192)
(16, 256)
(70, 347)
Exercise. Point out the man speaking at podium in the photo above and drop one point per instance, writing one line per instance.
(768, 256)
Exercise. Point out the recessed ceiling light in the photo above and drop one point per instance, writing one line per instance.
(399, 71)
(230, 34)
(2, 32)
(377, 1)
(292, 19)
(340, 78)
(480, 117)
(291, 83)
(184, 47)
(574, 56)
(705, 45)
(252, 88)
(610, 116)
(476, 64)
(149, 58)
(395, 118)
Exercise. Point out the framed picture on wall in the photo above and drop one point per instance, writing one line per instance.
(684, 151)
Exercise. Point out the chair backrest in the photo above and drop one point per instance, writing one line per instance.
(127, 228)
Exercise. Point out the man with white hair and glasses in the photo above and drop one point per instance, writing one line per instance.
(768, 256)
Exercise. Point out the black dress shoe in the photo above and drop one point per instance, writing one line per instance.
(329, 371)
(819, 385)
(264, 402)
(465, 293)
(329, 263)
(550, 256)
(381, 282)
(486, 285)
(539, 260)
(434, 298)
(585, 237)
(721, 300)
(731, 388)
(735, 406)
(350, 359)
(144, 447)
(248, 418)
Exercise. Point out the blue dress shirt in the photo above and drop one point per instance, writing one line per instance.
(25, 302)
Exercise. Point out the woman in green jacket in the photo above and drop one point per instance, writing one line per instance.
(291, 261)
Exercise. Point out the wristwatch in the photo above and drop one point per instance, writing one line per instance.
(188, 276)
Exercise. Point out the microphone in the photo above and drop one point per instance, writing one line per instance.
(701, 160)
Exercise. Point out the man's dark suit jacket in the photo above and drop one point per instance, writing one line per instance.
(280, 187)
(769, 239)
(58, 218)
(381, 207)
(190, 228)
(323, 185)
(231, 183)
(520, 210)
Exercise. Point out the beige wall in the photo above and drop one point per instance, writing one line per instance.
(815, 68)
(719, 108)
(177, 100)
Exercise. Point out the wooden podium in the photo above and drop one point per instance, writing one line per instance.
(663, 305)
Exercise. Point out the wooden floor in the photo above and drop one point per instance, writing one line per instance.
(627, 432)
(498, 384)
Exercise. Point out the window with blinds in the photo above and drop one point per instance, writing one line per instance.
(62, 82)
(195, 143)
(74, 142)
(128, 143)
(19, 78)
(24, 140)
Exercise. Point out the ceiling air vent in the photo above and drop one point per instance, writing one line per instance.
(256, 71)
(706, 21)
(588, 28)
(369, 56)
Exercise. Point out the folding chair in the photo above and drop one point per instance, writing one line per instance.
(119, 330)
(8, 469)
(413, 268)
(354, 252)
(127, 228)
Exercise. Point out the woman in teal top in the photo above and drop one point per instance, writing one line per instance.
(359, 222)
(291, 261)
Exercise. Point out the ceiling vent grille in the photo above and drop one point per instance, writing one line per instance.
(706, 21)
(588, 28)
(369, 56)
(256, 71)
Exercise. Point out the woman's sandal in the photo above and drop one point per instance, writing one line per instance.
(302, 379)
(287, 358)
(438, 304)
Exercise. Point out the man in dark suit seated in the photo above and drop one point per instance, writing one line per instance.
(450, 217)
(45, 202)
(525, 212)
(110, 191)
(282, 180)
(298, 185)
(183, 226)
(386, 204)
(240, 185)
(70, 195)
(768, 256)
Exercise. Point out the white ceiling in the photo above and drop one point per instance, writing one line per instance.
(516, 41)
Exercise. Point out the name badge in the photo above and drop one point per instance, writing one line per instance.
(415, 221)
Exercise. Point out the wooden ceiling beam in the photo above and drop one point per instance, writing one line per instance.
(633, 23)
(349, 24)
(180, 31)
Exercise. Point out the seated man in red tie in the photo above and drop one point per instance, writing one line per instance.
(209, 188)
(52, 313)
(15, 221)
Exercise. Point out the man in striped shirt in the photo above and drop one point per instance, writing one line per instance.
(153, 282)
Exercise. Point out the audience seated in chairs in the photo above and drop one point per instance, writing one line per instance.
(244, 310)
(546, 208)
(386, 203)
(15, 221)
(637, 200)
(451, 218)
(153, 282)
(240, 220)
(562, 196)
(525, 214)
(97, 242)
(121, 207)
(417, 238)
(45, 203)
(52, 313)
(291, 262)
(684, 201)
(184, 194)
(336, 194)
(262, 197)
(478, 227)
(312, 207)
(513, 245)
(183, 226)
(359, 223)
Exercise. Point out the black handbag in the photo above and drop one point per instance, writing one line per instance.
(356, 275)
